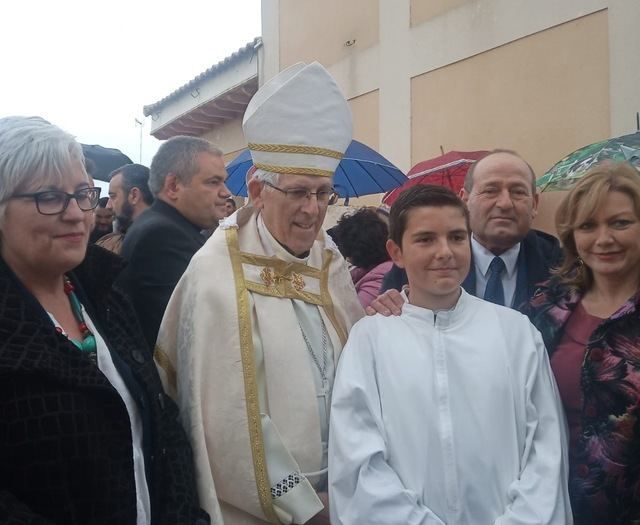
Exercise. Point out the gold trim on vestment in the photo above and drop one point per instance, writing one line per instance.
(283, 285)
(296, 148)
(293, 170)
(165, 363)
(250, 382)
(326, 297)
(283, 279)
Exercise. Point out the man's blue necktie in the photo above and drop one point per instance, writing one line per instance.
(494, 291)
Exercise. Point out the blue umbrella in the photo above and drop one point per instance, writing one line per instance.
(362, 171)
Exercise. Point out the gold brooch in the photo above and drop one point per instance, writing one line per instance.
(297, 281)
(268, 276)
(271, 278)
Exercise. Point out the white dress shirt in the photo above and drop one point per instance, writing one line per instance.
(482, 259)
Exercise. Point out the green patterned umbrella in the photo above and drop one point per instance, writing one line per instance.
(566, 172)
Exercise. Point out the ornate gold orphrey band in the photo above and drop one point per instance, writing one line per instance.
(250, 381)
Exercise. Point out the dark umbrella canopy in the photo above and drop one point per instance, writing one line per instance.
(362, 171)
(447, 170)
(105, 159)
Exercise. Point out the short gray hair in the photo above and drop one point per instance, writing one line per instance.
(32, 149)
(178, 156)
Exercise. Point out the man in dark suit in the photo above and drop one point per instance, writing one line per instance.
(508, 257)
(187, 178)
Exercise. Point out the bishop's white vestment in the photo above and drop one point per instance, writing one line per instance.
(247, 347)
(448, 418)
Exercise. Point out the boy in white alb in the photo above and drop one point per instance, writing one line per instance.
(448, 413)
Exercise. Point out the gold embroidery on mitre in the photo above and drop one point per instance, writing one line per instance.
(296, 148)
(293, 170)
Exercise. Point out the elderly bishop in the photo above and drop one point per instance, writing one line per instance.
(252, 334)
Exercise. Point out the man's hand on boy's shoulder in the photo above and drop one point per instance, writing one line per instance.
(388, 303)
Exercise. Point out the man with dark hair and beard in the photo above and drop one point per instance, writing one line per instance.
(129, 196)
(129, 193)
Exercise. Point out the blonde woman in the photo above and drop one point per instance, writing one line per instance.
(589, 316)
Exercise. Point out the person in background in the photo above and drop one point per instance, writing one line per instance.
(129, 194)
(589, 316)
(103, 221)
(129, 197)
(187, 178)
(449, 412)
(509, 258)
(87, 435)
(361, 238)
(231, 206)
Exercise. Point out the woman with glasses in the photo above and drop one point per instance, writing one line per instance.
(87, 435)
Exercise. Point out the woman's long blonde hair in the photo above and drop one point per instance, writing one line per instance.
(580, 205)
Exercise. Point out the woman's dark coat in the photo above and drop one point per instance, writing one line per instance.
(65, 438)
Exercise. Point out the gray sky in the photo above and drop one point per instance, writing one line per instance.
(89, 67)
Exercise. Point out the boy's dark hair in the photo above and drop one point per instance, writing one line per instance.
(362, 237)
(135, 176)
(418, 197)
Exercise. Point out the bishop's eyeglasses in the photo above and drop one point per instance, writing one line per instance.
(299, 194)
(54, 202)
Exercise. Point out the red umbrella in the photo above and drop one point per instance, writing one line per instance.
(446, 170)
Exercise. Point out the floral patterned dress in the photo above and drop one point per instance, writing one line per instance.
(604, 478)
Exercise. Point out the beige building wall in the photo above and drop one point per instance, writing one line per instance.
(366, 118)
(228, 137)
(541, 77)
(544, 96)
(325, 31)
(425, 10)
(364, 110)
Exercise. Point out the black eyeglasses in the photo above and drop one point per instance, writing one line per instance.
(300, 194)
(53, 202)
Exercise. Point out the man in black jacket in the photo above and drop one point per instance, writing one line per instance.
(508, 257)
(187, 178)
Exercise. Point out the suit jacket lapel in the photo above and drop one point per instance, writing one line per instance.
(522, 293)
